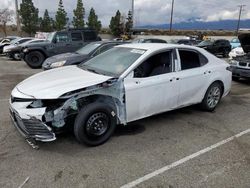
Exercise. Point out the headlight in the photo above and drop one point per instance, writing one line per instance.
(25, 50)
(58, 64)
(233, 62)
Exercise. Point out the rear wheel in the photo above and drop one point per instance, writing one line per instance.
(95, 124)
(212, 97)
(34, 59)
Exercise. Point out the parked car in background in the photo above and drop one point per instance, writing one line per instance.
(191, 42)
(240, 65)
(217, 47)
(149, 40)
(235, 43)
(13, 50)
(127, 83)
(235, 52)
(6, 41)
(59, 42)
(80, 56)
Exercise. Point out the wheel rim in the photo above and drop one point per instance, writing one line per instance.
(213, 97)
(34, 59)
(97, 124)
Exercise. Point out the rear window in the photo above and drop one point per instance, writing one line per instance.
(191, 59)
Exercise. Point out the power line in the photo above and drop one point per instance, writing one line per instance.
(238, 25)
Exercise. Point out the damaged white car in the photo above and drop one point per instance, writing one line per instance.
(124, 84)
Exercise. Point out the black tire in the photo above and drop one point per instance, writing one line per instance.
(225, 54)
(207, 103)
(34, 59)
(90, 119)
(236, 79)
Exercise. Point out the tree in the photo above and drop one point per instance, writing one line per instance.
(79, 13)
(129, 23)
(61, 16)
(29, 16)
(116, 25)
(6, 16)
(46, 22)
(93, 21)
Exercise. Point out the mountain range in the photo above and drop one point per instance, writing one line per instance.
(199, 25)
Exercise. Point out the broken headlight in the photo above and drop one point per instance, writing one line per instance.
(46, 103)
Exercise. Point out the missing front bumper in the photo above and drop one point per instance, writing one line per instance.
(32, 128)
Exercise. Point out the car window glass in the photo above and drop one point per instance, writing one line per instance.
(117, 60)
(189, 59)
(156, 65)
(62, 37)
(89, 35)
(76, 36)
(103, 49)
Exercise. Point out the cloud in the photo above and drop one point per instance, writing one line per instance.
(150, 11)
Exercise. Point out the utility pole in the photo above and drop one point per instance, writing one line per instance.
(171, 19)
(133, 11)
(238, 25)
(17, 18)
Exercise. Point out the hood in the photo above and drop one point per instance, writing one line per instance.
(44, 43)
(12, 47)
(70, 58)
(56, 82)
(245, 42)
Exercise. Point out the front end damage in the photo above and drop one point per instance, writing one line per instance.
(41, 120)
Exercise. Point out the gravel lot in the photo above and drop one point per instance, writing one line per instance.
(134, 151)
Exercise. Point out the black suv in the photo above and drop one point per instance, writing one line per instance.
(59, 42)
(217, 47)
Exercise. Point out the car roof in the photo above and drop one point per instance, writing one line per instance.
(154, 46)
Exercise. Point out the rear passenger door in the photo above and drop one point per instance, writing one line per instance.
(192, 76)
(77, 40)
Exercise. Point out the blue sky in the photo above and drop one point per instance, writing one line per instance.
(152, 11)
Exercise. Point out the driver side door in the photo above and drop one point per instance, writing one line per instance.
(152, 93)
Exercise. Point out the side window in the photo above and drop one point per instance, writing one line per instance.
(89, 35)
(76, 36)
(62, 37)
(189, 59)
(156, 65)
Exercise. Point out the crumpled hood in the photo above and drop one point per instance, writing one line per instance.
(245, 42)
(56, 82)
(70, 58)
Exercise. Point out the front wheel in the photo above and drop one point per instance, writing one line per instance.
(95, 124)
(212, 97)
(34, 59)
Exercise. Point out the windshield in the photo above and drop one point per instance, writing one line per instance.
(205, 43)
(88, 48)
(14, 41)
(50, 36)
(113, 62)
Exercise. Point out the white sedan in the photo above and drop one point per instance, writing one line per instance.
(124, 84)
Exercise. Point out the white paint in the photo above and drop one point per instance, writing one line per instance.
(182, 161)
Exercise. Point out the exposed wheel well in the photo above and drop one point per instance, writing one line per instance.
(110, 101)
